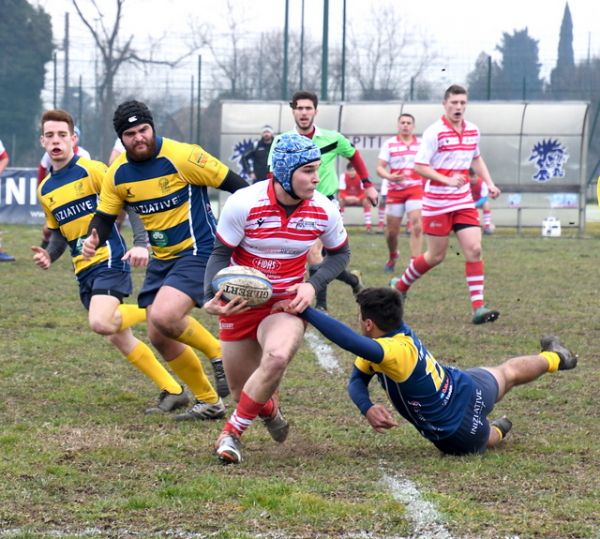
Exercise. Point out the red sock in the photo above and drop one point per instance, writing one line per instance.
(268, 408)
(246, 412)
(475, 277)
(415, 269)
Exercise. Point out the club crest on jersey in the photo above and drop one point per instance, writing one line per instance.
(164, 185)
(78, 186)
(305, 224)
(550, 157)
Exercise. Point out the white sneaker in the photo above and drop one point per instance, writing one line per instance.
(229, 448)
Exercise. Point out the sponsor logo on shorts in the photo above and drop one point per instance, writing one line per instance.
(477, 409)
(435, 224)
(226, 325)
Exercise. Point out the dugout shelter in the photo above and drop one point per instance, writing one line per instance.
(536, 152)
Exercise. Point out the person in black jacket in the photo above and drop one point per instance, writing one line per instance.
(255, 160)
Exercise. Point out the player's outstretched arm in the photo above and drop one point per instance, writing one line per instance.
(344, 336)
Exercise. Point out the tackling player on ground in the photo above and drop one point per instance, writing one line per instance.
(448, 406)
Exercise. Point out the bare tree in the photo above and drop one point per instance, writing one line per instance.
(385, 60)
(115, 52)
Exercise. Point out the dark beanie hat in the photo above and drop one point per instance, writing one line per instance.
(130, 114)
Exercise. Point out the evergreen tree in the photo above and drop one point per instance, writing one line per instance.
(481, 80)
(562, 76)
(26, 45)
(519, 73)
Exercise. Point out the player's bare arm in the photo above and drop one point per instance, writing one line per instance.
(482, 171)
(456, 180)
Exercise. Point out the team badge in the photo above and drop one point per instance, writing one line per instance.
(164, 185)
(78, 186)
(550, 158)
(239, 149)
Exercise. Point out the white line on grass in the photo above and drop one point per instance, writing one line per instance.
(324, 353)
(426, 520)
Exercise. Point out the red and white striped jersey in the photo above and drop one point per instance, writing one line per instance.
(400, 157)
(448, 152)
(264, 237)
(3, 152)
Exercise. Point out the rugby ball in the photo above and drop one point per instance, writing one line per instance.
(243, 281)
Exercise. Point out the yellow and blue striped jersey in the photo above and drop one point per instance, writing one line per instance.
(69, 198)
(169, 193)
(430, 396)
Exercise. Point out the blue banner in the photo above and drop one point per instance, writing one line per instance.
(18, 197)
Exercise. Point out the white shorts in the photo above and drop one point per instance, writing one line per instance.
(397, 210)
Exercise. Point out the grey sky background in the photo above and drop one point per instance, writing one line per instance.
(459, 29)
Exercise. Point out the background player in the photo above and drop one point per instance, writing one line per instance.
(403, 189)
(448, 149)
(352, 193)
(480, 193)
(4, 159)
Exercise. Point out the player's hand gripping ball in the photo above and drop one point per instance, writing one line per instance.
(243, 281)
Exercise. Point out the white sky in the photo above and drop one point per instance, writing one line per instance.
(461, 28)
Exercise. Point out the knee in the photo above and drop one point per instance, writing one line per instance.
(275, 362)
(165, 323)
(473, 252)
(435, 258)
(416, 228)
(102, 327)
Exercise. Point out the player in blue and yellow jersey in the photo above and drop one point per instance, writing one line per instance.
(165, 182)
(69, 196)
(448, 406)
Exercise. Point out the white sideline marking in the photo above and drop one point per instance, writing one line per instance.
(324, 353)
(426, 520)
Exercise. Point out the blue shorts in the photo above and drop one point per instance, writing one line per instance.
(105, 282)
(186, 274)
(473, 433)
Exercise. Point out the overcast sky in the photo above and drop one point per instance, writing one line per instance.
(461, 29)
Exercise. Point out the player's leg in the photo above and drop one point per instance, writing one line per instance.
(186, 364)
(279, 337)
(488, 225)
(105, 318)
(368, 218)
(525, 369)
(176, 290)
(413, 216)
(469, 238)
(394, 213)
(437, 246)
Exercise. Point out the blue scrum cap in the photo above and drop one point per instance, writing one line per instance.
(291, 152)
